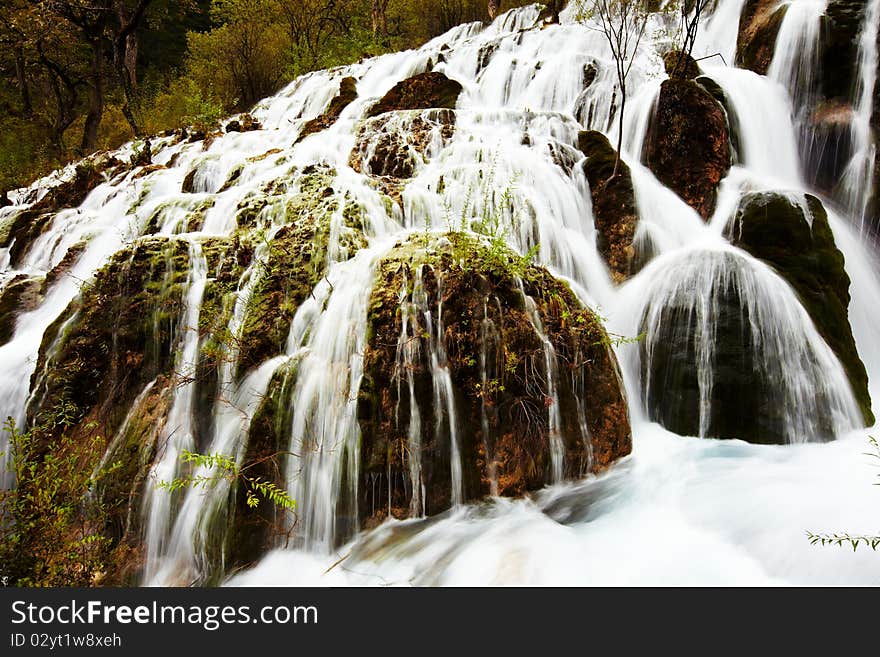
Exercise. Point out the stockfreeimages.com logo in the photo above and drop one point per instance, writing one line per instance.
(209, 617)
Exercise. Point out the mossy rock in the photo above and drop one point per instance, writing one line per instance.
(123, 327)
(774, 229)
(759, 25)
(742, 402)
(508, 446)
(422, 91)
(296, 262)
(95, 360)
(346, 96)
(251, 531)
(614, 206)
(687, 144)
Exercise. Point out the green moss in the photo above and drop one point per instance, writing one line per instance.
(296, 261)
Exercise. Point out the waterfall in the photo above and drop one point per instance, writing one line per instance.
(503, 164)
(859, 171)
(177, 435)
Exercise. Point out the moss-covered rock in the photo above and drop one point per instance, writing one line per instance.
(741, 403)
(801, 248)
(614, 205)
(296, 261)
(422, 91)
(759, 25)
(95, 360)
(497, 366)
(347, 94)
(687, 145)
(250, 531)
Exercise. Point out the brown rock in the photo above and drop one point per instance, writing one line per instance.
(614, 207)
(502, 422)
(347, 94)
(758, 28)
(688, 145)
(423, 91)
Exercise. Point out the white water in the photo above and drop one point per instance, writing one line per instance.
(679, 510)
(859, 172)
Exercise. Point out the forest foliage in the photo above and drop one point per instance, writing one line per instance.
(83, 75)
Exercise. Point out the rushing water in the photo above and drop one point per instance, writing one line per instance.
(652, 518)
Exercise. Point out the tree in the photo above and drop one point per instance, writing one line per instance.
(623, 23)
(379, 17)
(493, 8)
(125, 53)
(690, 14)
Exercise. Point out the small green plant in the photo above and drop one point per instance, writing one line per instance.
(224, 468)
(52, 521)
(840, 539)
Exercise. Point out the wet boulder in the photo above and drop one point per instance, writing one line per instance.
(20, 295)
(395, 144)
(728, 351)
(841, 28)
(687, 145)
(796, 240)
(471, 376)
(614, 206)
(432, 90)
(758, 28)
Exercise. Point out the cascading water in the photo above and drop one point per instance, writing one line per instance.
(505, 161)
(860, 170)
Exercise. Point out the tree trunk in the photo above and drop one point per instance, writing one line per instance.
(493, 8)
(620, 128)
(20, 73)
(96, 100)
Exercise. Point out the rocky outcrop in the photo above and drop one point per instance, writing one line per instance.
(841, 27)
(488, 340)
(244, 123)
(22, 228)
(432, 90)
(296, 260)
(801, 248)
(687, 145)
(758, 28)
(395, 143)
(614, 206)
(347, 94)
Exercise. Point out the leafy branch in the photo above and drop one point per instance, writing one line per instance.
(224, 469)
(840, 539)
